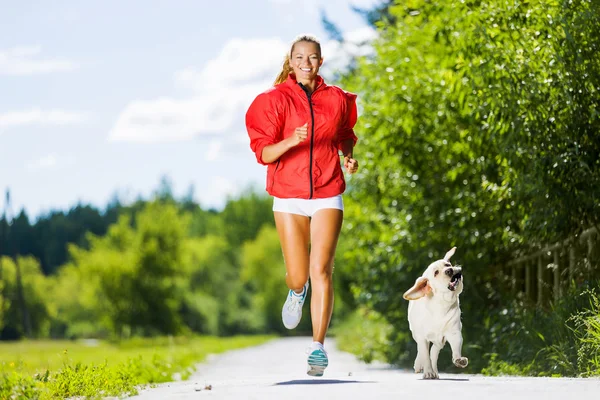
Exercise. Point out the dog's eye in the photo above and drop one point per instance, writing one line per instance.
(436, 273)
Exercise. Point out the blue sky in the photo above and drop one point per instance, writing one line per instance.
(103, 98)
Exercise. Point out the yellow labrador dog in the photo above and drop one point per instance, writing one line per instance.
(434, 315)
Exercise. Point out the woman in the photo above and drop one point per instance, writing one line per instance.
(296, 128)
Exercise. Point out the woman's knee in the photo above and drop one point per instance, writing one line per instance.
(296, 281)
(321, 271)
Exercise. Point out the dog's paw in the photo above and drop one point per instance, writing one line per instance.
(418, 367)
(430, 374)
(461, 362)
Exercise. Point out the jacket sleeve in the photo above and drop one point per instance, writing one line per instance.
(346, 130)
(263, 124)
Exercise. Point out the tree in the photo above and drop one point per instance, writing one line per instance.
(134, 271)
(479, 126)
(29, 297)
(263, 274)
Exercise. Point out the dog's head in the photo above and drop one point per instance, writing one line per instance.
(439, 277)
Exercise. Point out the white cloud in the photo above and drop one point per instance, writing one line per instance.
(356, 43)
(39, 117)
(49, 161)
(222, 91)
(45, 162)
(24, 61)
(168, 119)
(240, 62)
(220, 94)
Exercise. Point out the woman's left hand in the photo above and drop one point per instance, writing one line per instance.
(351, 164)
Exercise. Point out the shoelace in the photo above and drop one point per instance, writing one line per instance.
(294, 303)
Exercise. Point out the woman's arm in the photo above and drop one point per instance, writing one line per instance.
(272, 152)
(347, 147)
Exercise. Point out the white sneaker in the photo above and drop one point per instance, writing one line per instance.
(291, 314)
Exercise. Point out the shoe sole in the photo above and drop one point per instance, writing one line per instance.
(317, 364)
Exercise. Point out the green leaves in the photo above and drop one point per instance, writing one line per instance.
(478, 128)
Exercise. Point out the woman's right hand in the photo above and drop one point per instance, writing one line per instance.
(272, 152)
(300, 135)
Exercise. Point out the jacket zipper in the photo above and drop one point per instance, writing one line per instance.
(312, 137)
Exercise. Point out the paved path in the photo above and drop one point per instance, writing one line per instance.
(277, 371)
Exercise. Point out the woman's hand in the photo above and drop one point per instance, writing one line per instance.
(272, 152)
(300, 134)
(350, 164)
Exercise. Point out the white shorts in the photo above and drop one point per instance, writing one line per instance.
(307, 207)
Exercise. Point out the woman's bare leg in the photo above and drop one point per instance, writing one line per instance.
(325, 229)
(294, 236)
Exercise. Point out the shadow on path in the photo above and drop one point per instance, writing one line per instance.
(317, 382)
(446, 379)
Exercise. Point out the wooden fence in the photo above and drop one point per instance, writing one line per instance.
(544, 275)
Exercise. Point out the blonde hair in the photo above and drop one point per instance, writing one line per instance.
(286, 67)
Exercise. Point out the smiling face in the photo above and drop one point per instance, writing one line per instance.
(305, 61)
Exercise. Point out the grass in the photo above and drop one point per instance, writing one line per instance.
(61, 369)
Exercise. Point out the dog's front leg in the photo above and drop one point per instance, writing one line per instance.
(420, 359)
(455, 339)
(424, 360)
(435, 353)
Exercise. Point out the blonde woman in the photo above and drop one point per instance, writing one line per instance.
(298, 128)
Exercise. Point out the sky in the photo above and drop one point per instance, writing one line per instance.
(103, 99)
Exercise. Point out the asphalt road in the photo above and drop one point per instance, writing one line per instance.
(277, 370)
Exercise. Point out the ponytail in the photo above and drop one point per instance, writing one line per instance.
(286, 68)
(285, 71)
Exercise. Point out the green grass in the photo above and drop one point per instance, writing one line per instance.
(60, 369)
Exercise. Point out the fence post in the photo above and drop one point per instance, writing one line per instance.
(513, 278)
(571, 264)
(527, 280)
(540, 282)
(557, 289)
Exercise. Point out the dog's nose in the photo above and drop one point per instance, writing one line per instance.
(449, 272)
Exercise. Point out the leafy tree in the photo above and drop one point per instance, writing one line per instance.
(210, 284)
(244, 216)
(134, 271)
(263, 274)
(27, 310)
(477, 120)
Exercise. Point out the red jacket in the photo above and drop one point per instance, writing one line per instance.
(311, 169)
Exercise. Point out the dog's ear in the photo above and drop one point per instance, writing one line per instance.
(420, 289)
(449, 254)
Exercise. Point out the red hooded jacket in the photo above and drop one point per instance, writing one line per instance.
(312, 169)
